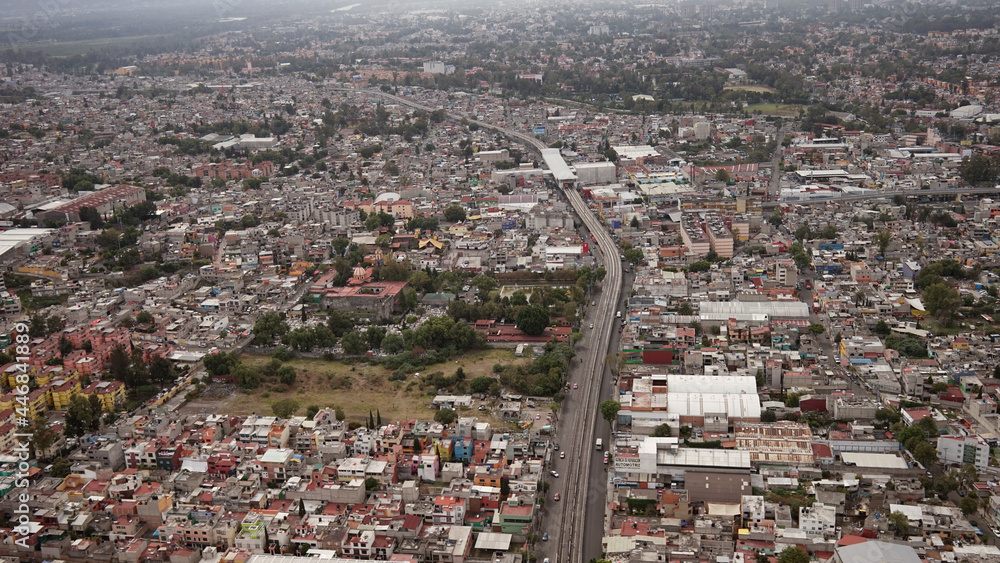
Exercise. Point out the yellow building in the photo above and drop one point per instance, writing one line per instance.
(11, 373)
(110, 393)
(52, 373)
(63, 392)
(37, 403)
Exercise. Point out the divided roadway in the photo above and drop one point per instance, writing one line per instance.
(576, 526)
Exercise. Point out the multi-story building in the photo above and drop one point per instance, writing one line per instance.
(111, 394)
(971, 450)
(860, 348)
(818, 520)
(450, 509)
(253, 533)
(515, 517)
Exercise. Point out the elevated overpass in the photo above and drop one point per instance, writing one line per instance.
(561, 173)
(584, 494)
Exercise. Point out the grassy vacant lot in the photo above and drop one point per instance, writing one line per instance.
(70, 48)
(360, 387)
(782, 110)
(753, 88)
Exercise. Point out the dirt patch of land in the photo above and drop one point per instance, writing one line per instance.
(356, 387)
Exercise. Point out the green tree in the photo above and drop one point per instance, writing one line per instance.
(220, 365)
(633, 256)
(928, 425)
(700, 266)
(445, 416)
(925, 454)
(392, 343)
(371, 484)
(394, 271)
(311, 411)
(42, 436)
(662, 431)
(793, 554)
(817, 328)
(883, 239)
(480, 384)
(768, 416)
(911, 432)
(945, 484)
(339, 323)
(79, 417)
(532, 320)
(353, 343)
(340, 245)
(969, 505)
(144, 317)
(148, 273)
(978, 169)
(374, 337)
(454, 213)
(120, 366)
(882, 328)
(268, 328)
(247, 377)
(485, 284)
(421, 280)
(61, 467)
(887, 415)
(286, 375)
(284, 408)
(65, 346)
(161, 371)
(901, 523)
(722, 175)
(609, 410)
(941, 300)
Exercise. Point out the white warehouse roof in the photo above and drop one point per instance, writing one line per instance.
(748, 310)
(678, 383)
(700, 404)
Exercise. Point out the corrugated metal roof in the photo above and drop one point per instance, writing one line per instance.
(723, 310)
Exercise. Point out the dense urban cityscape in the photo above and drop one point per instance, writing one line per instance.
(511, 282)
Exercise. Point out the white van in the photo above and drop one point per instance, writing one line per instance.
(600, 444)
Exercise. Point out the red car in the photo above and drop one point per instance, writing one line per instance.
(555, 496)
